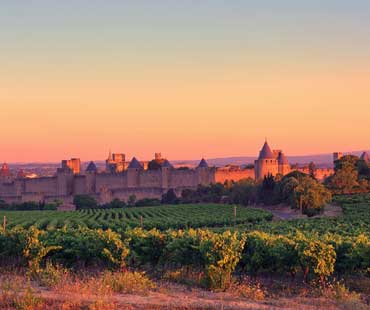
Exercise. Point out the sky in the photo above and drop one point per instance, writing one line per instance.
(190, 79)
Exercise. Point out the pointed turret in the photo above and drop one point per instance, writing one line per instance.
(91, 167)
(266, 152)
(135, 164)
(282, 160)
(203, 164)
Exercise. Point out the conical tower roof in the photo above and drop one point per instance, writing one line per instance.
(91, 167)
(266, 152)
(203, 164)
(365, 157)
(282, 160)
(166, 164)
(135, 164)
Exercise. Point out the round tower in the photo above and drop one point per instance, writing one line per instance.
(266, 163)
(284, 166)
(133, 173)
(90, 174)
(165, 174)
(203, 172)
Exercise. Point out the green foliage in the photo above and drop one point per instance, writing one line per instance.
(131, 200)
(24, 206)
(265, 252)
(244, 192)
(182, 249)
(35, 250)
(315, 256)
(146, 246)
(221, 253)
(161, 217)
(267, 190)
(84, 202)
(88, 247)
(147, 202)
(352, 175)
(170, 197)
(302, 192)
(310, 196)
(211, 193)
(116, 204)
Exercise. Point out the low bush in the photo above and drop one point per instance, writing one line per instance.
(128, 282)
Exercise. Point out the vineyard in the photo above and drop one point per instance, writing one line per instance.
(161, 217)
(309, 248)
(354, 221)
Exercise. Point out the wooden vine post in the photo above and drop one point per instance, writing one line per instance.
(4, 224)
(234, 216)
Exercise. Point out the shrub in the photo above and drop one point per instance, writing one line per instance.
(221, 253)
(146, 202)
(182, 249)
(128, 282)
(146, 246)
(84, 202)
(51, 275)
(315, 257)
(361, 253)
(35, 250)
(89, 247)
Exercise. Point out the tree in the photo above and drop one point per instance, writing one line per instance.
(170, 197)
(117, 203)
(310, 196)
(131, 200)
(243, 192)
(84, 202)
(312, 169)
(266, 192)
(345, 178)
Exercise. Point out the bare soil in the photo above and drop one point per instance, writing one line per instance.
(285, 212)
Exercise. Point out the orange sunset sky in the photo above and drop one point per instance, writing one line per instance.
(211, 79)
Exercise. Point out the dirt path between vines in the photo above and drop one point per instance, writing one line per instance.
(285, 212)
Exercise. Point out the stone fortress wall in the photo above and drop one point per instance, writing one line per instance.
(121, 179)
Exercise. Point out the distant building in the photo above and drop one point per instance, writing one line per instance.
(120, 180)
(270, 162)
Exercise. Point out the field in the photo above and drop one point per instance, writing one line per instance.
(313, 263)
(354, 221)
(161, 217)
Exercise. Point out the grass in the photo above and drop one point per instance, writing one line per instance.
(95, 290)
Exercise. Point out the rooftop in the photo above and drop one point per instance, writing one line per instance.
(266, 152)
